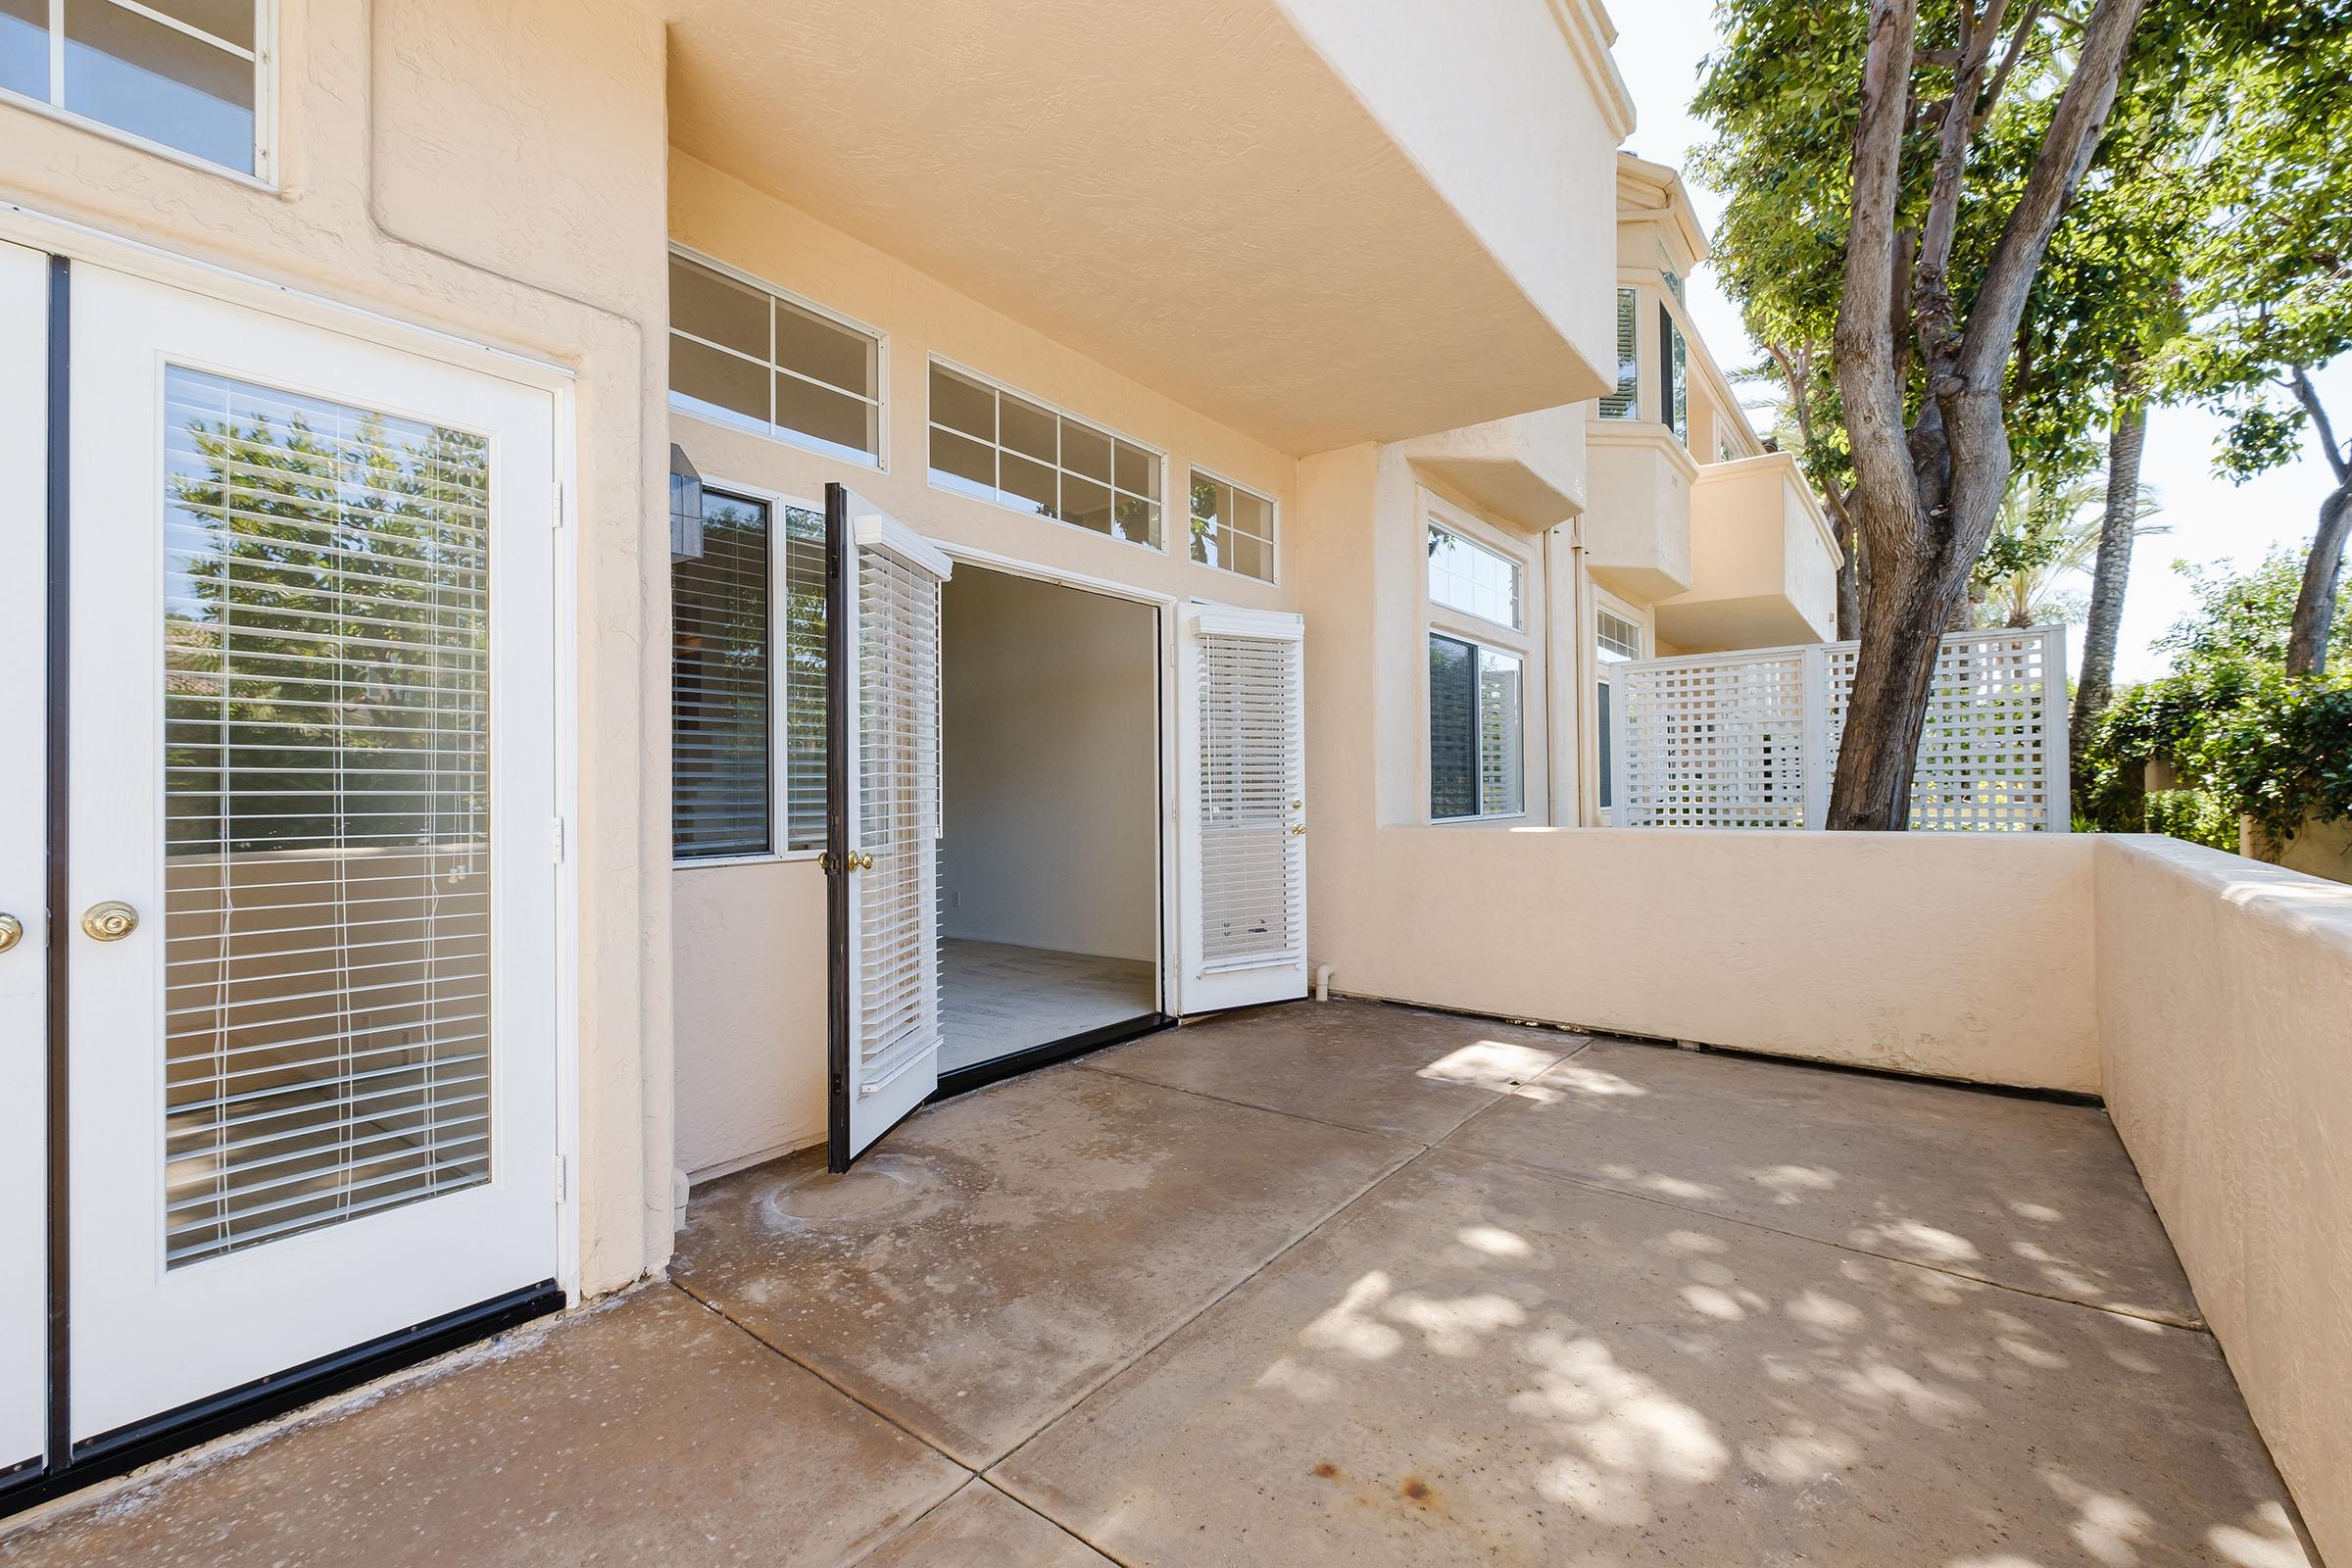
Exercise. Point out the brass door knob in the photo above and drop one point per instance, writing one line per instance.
(11, 932)
(110, 921)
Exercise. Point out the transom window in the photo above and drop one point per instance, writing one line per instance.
(185, 74)
(1618, 637)
(1001, 447)
(1472, 579)
(1232, 527)
(1477, 703)
(744, 356)
(732, 765)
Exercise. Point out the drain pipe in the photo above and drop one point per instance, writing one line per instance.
(1322, 982)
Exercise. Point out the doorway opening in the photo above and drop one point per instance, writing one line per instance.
(1050, 865)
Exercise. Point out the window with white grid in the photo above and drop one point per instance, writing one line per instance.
(898, 811)
(327, 814)
(991, 442)
(1232, 527)
(189, 75)
(1252, 790)
(1470, 578)
(745, 356)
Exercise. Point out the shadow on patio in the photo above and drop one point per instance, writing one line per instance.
(1337, 1283)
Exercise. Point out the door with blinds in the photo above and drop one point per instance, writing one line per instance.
(883, 818)
(24, 890)
(1241, 744)
(312, 1049)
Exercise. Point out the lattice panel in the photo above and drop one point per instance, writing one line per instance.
(1714, 741)
(1751, 739)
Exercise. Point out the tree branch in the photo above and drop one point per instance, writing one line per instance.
(2066, 152)
(2309, 396)
(2015, 51)
(1866, 341)
(1931, 288)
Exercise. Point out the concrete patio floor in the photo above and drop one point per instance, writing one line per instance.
(1329, 1283)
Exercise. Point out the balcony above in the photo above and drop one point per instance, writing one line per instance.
(1297, 218)
(1763, 561)
(1529, 468)
(1637, 528)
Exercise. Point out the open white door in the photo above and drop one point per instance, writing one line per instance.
(312, 1051)
(1240, 753)
(883, 818)
(24, 892)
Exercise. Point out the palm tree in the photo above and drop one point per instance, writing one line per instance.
(2048, 531)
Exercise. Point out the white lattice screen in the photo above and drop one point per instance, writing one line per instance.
(1750, 739)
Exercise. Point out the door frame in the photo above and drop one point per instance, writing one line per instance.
(69, 242)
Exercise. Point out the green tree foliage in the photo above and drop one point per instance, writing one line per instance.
(2047, 533)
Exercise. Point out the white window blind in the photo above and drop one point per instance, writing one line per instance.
(899, 813)
(327, 814)
(804, 678)
(721, 789)
(1252, 790)
(182, 73)
(997, 445)
(1626, 402)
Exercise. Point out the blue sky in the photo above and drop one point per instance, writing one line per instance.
(1659, 46)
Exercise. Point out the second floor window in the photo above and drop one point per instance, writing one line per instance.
(743, 356)
(1626, 402)
(1674, 383)
(185, 74)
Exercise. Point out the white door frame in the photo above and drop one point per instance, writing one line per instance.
(24, 862)
(1171, 880)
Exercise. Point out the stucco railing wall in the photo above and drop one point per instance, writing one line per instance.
(2225, 1004)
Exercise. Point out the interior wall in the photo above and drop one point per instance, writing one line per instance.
(1052, 767)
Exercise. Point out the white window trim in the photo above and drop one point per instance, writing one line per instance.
(1273, 523)
(969, 492)
(1463, 627)
(263, 55)
(779, 805)
(876, 463)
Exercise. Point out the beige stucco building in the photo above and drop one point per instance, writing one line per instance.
(456, 433)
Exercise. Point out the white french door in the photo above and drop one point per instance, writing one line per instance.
(884, 819)
(311, 986)
(23, 889)
(1241, 843)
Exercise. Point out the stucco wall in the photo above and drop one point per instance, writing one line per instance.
(1959, 955)
(2224, 998)
(489, 168)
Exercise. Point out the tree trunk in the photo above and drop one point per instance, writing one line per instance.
(2314, 606)
(2110, 577)
(1849, 586)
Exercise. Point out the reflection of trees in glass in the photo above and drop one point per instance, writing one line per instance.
(326, 627)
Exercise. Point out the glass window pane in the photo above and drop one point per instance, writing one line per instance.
(1472, 578)
(1138, 472)
(230, 20)
(833, 417)
(717, 309)
(25, 47)
(824, 349)
(967, 463)
(1022, 480)
(1606, 696)
(157, 82)
(1618, 637)
(329, 812)
(1086, 504)
(720, 790)
(964, 405)
(803, 679)
(1500, 775)
(1252, 558)
(1231, 527)
(1136, 520)
(1029, 429)
(717, 380)
(1452, 730)
(1085, 451)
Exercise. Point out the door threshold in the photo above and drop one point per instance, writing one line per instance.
(143, 1443)
(980, 1074)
